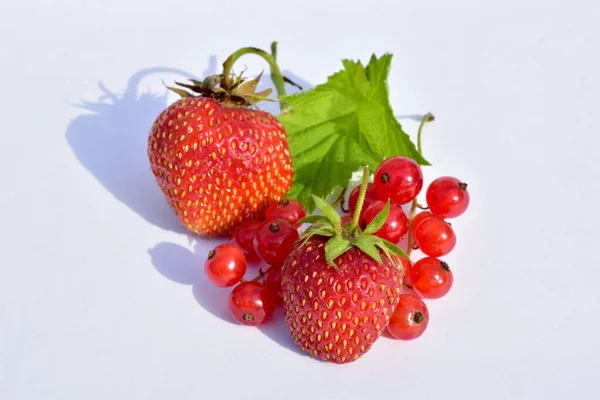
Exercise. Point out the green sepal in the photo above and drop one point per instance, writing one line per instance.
(386, 251)
(249, 87)
(395, 249)
(329, 212)
(335, 247)
(379, 220)
(180, 92)
(367, 245)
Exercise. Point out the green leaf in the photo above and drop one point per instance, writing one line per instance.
(395, 249)
(341, 125)
(379, 220)
(366, 244)
(329, 212)
(335, 247)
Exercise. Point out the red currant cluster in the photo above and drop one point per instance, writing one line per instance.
(252, 302)
(400, 180)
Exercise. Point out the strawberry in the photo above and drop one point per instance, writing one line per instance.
(341, 286)
(218, 161)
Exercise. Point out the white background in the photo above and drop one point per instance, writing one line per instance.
(102, 296)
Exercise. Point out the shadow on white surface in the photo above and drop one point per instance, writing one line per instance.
(276, 329)
(181, 265)
(111, 142)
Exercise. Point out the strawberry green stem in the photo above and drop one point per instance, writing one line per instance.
(361, 198)
(276, 75)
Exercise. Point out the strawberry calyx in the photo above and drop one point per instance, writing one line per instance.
(236, 90)
(343, 238)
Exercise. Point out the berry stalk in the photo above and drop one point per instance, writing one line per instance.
(426, 118)
(361, 198)
(257, 278)
(276, 74)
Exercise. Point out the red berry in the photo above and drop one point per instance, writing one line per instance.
(370, 197)
(420, 217)
(431, 278)
(251, 303)
(394, 227)
(399, 179)
(447, 197)
(243, 237)
(273, 281)
(226, 265)
(202, 152)
(274, 240)
(291, 211)
(435, 237)
(336, 314)
(410, 318)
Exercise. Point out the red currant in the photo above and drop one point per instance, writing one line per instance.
(431, 278)
(394, 227)
(447, 197)
(243, 237)
(291, 211)
(420, 217)
(273, 281)
(251, 303)
(399, 179)
(274, 241)
(226, 265)
(435, 237)
(410, 318)
(370, 197)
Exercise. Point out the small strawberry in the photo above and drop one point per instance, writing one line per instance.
(218, 161)
(341, 285)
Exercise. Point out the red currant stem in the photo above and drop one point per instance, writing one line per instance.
(340, 199)
(344, 208)
(426, 118)
(285, 78)
(422, 207)
(276, 75)
(261, 274)
(408, 285)
(411, 215)
(361, 199)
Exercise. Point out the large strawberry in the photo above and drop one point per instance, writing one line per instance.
(341, 285)
(218, 161)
